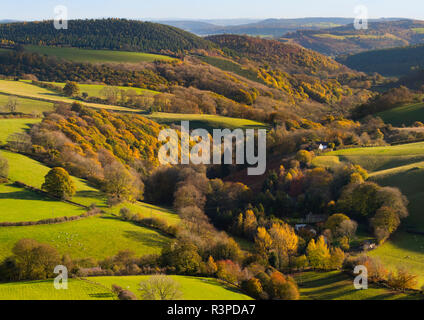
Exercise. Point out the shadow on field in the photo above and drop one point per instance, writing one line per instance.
(151, 240)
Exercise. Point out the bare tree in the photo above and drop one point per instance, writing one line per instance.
(12, 104)
(160, 287)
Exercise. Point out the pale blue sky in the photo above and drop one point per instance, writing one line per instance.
(206, 9)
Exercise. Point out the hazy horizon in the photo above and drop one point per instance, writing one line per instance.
(217, 10)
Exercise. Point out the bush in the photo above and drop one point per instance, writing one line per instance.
(402, 280)
(127, 295)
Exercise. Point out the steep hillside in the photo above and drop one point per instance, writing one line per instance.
(116, 34)
(347, 40)
(290, 57)
(388, 62)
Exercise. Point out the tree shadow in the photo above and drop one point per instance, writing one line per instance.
(151, 240)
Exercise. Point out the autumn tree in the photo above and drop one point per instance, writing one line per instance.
(384, 223)
(318, 254)
(252, 287)
(341, 225)
(119, 184)
(282, 288)
(284, 240)
(250, 224)
(263, 241)
(183, 256)
(402, 279)
(304, 157)
(211, 266)
(58, 183)
(71, 88)
(34, 260)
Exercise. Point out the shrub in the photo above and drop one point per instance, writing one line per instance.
(127, 295)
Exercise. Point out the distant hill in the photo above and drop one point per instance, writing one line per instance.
(7, 21)
(116, 34)
(389, 62)
(347, 40)
(269, 28)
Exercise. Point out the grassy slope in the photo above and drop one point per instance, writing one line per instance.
(399, 166)
(32, 172)
(96, 237)
(28, 106)
(18, 205)
(377, 158)
(93, 90)
(27, 90)
(338, 286)
(44, 290)
(205, 121)
(192, 288)
(97, 56)
(9, 126)
(404, 115)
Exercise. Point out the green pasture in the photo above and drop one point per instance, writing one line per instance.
(97, 56)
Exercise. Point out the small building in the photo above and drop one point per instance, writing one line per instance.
(322, 146)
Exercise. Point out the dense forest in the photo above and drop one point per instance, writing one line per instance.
(113, 34)
(388, 62)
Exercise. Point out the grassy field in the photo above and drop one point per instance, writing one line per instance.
(32, 172)
(404, 115)
(18, 205)
(376, 158)
(205, 121)
(403, 250)
(94, 90)
(339, 286)
(24, 89)
(9, 126)
(44, 290)
(193, 288)
(96, 237)
(28, 106)
(97, 56)
(99, 288)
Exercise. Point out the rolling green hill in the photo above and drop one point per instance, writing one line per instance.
(336, 285)
(95, 237)
(97, 56)
(99, 288)
(27, 106)
(375, 158)
(94, 90)
(404, 115)
(19, 205)
(205, 121)
(26, 90)
(9, 126)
